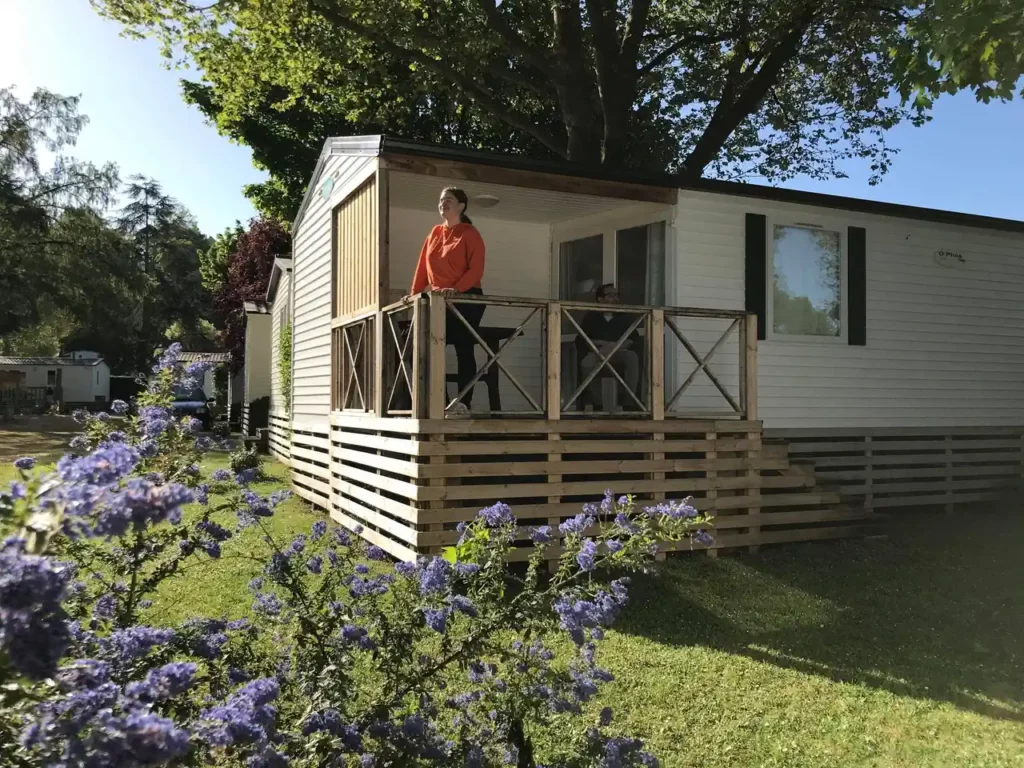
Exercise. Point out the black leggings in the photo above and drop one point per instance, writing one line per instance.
(463, 341)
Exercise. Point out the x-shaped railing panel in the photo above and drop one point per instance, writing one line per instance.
(402, 346)
(494, 355)
(605, 361)
(352, 352)
(702, 363)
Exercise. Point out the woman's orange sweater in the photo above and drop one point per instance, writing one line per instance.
(452, 257)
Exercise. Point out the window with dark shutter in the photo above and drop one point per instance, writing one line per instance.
(756, 270)
(856, 246)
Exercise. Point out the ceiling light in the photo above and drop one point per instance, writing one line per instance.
(485, 201)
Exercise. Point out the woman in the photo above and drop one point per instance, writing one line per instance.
(452, 262)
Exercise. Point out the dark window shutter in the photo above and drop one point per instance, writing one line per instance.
(857, 293)
(757, 270)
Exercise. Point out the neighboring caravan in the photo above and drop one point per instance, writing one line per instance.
(76, 380)
(881, 345)
(256, 370)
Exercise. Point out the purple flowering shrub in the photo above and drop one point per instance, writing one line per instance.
(347, 659)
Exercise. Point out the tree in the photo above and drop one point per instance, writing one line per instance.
(769, 88)
(248, 278)
(213, 261)
(954, 45)
(33, 201)
(167, 244)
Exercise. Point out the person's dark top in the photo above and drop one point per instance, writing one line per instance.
(606, 326)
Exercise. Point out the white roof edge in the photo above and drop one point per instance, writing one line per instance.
(281, 265)
(336, 145)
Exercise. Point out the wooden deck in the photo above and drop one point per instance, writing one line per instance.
(408, 474)
(408, 483)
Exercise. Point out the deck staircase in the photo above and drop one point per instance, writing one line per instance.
(797, 504)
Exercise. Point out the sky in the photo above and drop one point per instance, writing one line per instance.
(969, 158)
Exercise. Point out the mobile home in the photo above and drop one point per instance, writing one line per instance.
(79, 379)
(805, 358)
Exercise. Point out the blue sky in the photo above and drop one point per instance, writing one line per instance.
(969, 158)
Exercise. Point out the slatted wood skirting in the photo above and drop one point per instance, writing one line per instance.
(911, 467)
(279, 437)
(245, 418)
(310, 463)
(408, 482)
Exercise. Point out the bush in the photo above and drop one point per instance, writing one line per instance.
(348, 660)
(284, 365)
(247, 459)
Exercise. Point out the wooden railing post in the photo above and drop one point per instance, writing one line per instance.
(553, 406)
(379, 402)
(436, 389)
(554, 361)
(420, 360)
(748, 369)
(657, 331)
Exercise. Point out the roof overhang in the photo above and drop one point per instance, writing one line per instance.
(204, 357)
(256, 308)
(474, 165)
(281, 266)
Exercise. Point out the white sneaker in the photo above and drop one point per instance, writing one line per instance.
(458, 411)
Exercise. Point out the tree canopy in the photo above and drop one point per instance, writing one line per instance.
(954, 45)
(76, 271)
(249, 267)
(756, 88)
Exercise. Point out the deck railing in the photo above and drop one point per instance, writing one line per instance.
(392, 362)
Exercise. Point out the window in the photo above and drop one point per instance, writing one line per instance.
(51, 378)
(632, 258)
(97, 377)
(581, 268)
(640, 264)
(806, 282)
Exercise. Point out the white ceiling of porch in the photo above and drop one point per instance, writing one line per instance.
(408, 190)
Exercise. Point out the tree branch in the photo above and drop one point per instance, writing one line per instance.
(683, 42)
(464, 83)
(732, 111)
(514, 41)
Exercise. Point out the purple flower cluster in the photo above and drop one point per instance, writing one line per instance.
(91, 721)
(25, 463)
(330, 721)
(353, 634)
(33, 622)
(674, 510)
(497, 515)
(576, 525)
(127, 645)
(434, 576)
(575, 614)
(248, 717)
(163, 683)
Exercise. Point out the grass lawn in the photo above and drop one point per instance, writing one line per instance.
(45, 437)
(905, 651)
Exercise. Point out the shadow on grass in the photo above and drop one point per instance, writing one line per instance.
(936, 611)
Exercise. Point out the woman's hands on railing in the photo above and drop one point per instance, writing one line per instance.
(444, 292)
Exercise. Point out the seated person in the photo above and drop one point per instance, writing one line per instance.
(605, 329)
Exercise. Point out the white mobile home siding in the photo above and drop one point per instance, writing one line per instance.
(311, 284)
(945, 346)
(257, 357)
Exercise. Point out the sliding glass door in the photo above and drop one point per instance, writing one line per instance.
(633, 259)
